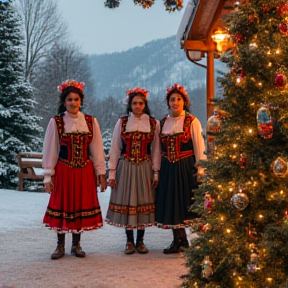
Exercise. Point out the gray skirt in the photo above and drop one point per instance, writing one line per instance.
(132, 201)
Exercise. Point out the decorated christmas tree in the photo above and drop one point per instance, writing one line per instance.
(243, 200)
(19, 126)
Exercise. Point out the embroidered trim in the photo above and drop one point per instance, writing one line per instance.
(132, 210)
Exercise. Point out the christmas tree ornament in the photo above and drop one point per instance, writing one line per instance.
(173, 5)
(252, 231)
(207, 271)
(280, 81)
(112, 4)
(206, 227)
(144, 3)
(239, 38)
(283, 9)
(243, 160)
(283, 27)
(208, 202)
(280, 167)
(264, 122)
(213, 127)
(285, 221)
(253, 266)
(239, 201)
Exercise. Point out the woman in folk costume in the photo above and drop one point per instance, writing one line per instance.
(182, 146)
(72, 155)
(134, 164)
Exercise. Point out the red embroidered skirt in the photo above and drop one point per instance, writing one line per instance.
(73, 204)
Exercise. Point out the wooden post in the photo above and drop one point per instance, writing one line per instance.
(210, 83)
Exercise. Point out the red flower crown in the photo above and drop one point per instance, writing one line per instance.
(74, 83)
(181, 90)
(137, 90)
(178, 87)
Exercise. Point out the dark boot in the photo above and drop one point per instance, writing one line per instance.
(130, 246)
(76, 249)
(175, 245)
(140, 246)
(60, 249)
(184, 244)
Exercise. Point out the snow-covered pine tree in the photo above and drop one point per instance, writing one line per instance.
(243, 200)
(19, 127)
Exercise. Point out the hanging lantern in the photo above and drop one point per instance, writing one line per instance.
(144, 3)
(173, 5)
(264, 122)
(280, 167)
(112, 4)
(223, 40)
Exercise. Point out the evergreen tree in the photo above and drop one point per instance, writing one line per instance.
(243, 199)
(19, 129)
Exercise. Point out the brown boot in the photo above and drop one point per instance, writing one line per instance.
(76, 249)
(140, 246)
(130, 248)
(59, 252)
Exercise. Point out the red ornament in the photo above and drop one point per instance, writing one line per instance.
(283, 9)
(208, 202)
(280, 81)
(239, 38)
(243, 160)
(283, 28)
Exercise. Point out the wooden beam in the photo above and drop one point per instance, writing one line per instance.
(196, 45)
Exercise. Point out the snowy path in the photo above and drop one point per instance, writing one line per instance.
(26, 245)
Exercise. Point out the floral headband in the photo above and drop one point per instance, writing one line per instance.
(74, 83)
(137, 90)
(178, 88)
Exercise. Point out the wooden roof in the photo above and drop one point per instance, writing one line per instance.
(202, 18)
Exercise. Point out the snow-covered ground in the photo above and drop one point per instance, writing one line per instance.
(26, 245)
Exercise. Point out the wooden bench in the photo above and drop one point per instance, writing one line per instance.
(30, 164)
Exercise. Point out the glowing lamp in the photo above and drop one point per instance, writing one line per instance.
(223, 40)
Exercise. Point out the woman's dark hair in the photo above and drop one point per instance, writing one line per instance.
(64, 94)
(129, 104)
(185, 99)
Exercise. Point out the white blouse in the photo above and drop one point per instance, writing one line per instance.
(134, 124)
(174, 125)
(51, 144)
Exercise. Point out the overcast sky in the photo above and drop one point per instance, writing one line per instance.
(98, 30)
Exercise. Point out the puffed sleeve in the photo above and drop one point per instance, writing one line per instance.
(97, 150)
(198, 140)
(115, 150)
(51, 148)
(156, 149)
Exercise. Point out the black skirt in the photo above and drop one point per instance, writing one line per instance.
(174, 193)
